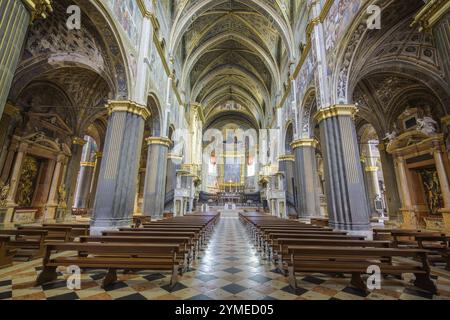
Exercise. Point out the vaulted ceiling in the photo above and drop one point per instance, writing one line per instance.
(232, 50)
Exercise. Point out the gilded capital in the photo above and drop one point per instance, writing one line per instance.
(304, 143)
(336, 111)
(286, 157)
(87, 164)
(99, 155)
(79, 141)
(159, 140)
(371, 169)
(130, 107)
(39, 9)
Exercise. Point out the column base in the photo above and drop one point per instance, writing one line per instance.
(411, 219)
(50, 213)
(8, 220)
(99, 225)
(350, 226)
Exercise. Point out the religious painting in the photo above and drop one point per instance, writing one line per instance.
(27, 182)
(431, 186)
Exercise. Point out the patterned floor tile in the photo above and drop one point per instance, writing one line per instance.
(230, 267)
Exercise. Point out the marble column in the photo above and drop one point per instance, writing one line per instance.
(73, 169)
(14, 181)
(306, 178)
(441, 33)
(84, 185)
(15, 17)
(155, 177)
(392, 196)
(373, 187)
(98, 161)
(53, 195)
(346, 196)
(116, 187)
(6, 171)
(286, 165)
(444, 184)
(173, 164)
(407, 211)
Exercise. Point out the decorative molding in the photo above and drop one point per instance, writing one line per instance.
(11, 110)
(128, 106)
(309, 28)
(39, 9)
(287, 157)
(336, 111)
(304, 143)
(79, 141)
(430, 14)
(87, 164)
(446, 120)
(371, 169)
(159, 141)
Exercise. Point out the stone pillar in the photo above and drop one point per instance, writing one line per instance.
(446, 129)
(84, 184)
(441, 33)
(118, 173)
(15, 17)
(373, 187)
(14, 181)
(444, 184)
(9, 161)
(407, 211)
(286, 165)
(155, 177)
(53, 197)
(308, 204)
(346, 197)
(98, 161)
(392, 195)
(73, 169)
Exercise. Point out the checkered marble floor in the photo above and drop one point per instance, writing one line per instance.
(229, 268)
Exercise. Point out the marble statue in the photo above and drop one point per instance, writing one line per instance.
(427, 125)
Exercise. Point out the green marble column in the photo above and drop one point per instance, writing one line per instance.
(15, 17)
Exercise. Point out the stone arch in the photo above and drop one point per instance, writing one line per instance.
(308, 108)
(156, 117)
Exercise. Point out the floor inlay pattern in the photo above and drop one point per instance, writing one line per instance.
(229, 268)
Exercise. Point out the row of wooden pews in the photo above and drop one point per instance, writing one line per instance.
(28, 242)
(437, 243)
(164, 245)
(298, 247)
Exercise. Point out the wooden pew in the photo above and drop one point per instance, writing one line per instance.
(78, 229)
(356, 260)
(6, 252)
(113, 256)
(186, 243)
(55, 234)
(29, 244)
(438, 247)
(282, 244)
(192, 235)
